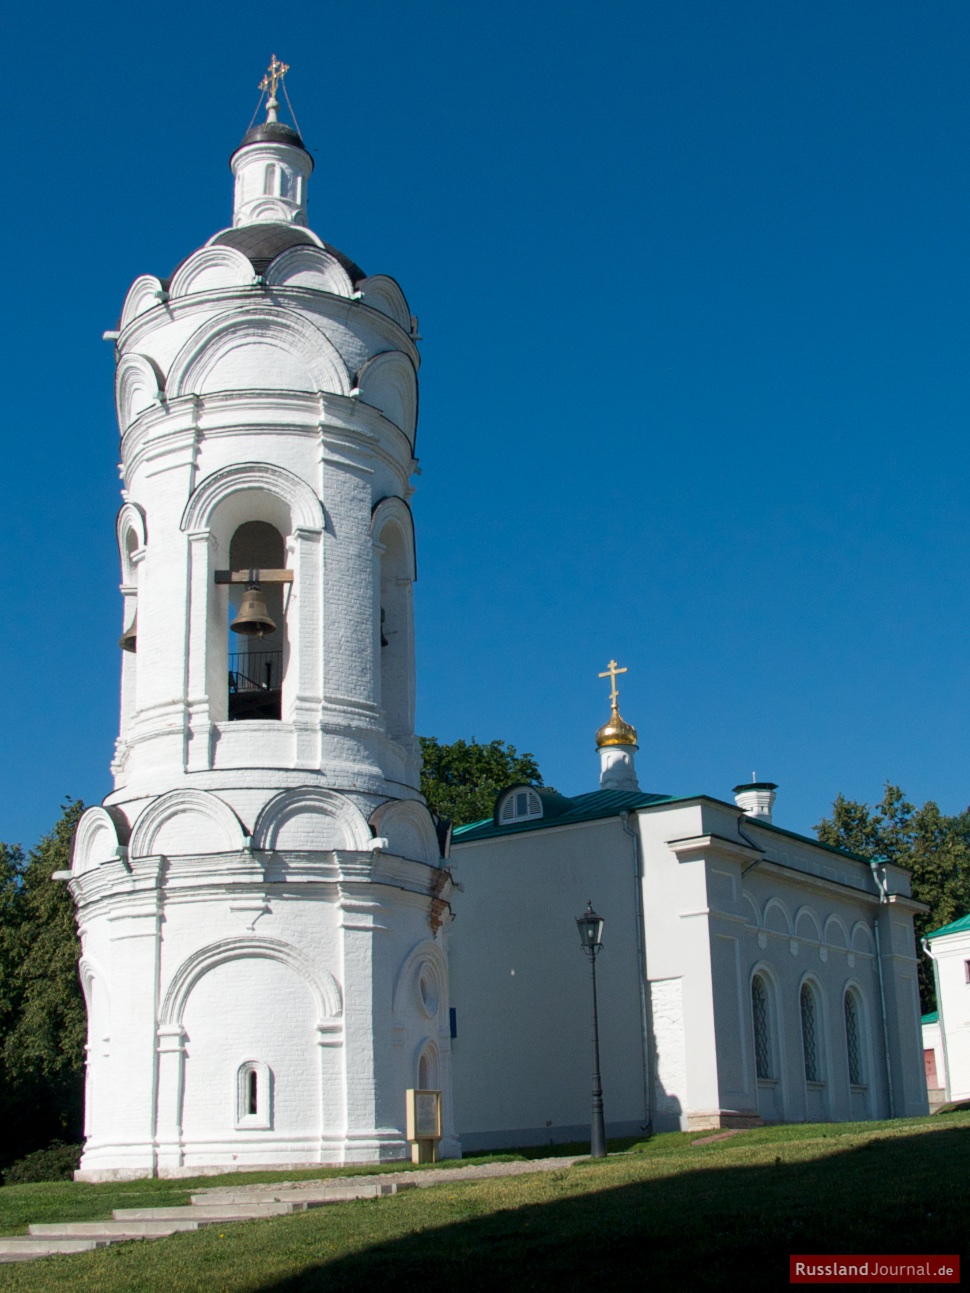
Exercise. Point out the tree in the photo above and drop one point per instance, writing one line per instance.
(42, 1016)
(934, 847)
(461, 781)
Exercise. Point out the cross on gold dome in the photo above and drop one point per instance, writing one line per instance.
(274, 74)
(611, 672)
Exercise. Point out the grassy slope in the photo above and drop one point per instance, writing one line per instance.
(664, 1215)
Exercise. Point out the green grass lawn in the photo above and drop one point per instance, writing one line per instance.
(666, 1214)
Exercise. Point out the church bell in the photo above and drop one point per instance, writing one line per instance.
(128, 640)
(253, 619)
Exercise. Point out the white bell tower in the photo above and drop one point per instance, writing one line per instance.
(262, 899)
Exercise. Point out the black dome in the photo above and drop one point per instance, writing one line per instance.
(273, 132)
(262, 243)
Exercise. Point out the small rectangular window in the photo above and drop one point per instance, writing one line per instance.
(966, 971)
(453, 1020)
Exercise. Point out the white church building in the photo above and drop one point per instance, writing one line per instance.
(265, 902)
(748, 974)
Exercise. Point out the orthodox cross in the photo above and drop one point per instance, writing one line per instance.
(274, 74)
(611, 672)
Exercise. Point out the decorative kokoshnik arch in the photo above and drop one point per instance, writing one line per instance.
(323, 986)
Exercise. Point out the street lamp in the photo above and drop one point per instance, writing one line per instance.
(591, 936)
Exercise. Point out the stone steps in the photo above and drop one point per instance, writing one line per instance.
(109, 1229)
(208, 1212)
(210, 1207)
(20, 1248)
(319, 1193)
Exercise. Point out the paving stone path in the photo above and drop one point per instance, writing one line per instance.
(221, 1203)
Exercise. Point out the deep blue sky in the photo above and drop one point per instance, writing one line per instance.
(694, 286)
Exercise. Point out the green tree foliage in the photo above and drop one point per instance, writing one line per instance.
(42, 1017)
(933, 846)
(461, 781)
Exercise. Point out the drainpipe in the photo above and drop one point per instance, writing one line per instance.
(647, 1124)
(939, 1010)
(882, 885)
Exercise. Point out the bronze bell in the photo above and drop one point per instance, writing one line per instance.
(128, 640)
(253, 618)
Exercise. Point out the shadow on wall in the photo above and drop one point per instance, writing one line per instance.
(723, 1227)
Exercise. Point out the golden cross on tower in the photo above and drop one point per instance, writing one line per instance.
(274, 74)
(611, 672)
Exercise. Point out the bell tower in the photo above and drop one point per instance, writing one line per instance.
(262, 899)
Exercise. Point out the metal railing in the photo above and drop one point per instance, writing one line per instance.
(254, 671)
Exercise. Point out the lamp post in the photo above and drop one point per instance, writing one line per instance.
(591, 936)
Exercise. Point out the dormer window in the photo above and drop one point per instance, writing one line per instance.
(520, 806)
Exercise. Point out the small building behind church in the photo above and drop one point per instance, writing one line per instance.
(749, 974)
(946, 1032)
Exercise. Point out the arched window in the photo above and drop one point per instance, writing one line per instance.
(762, 1028)
(853, 1040)
(809, 1011)
(520, 806)
(254, 1097)
(256, 662)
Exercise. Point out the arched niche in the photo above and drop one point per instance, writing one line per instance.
(312, 820)
(388, 382)
(392, 529)
(309, 267)
(426, 1069)
(257, 347)
(138, 387)
(836, 934)
(424, 963)
(95, 841)
(186, 822)
(807, 926)
(408, 829)
(777, 917)
(144, 294)
(132, 533)
(210, 269)
(862, 938)
(382, 293)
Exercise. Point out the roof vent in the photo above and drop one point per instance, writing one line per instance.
(756, 798)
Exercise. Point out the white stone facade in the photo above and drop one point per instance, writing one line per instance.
(699, 902)
(262, 901)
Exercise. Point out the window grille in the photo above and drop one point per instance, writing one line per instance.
(809, 1034)
(762, 1041)
(852, 1047)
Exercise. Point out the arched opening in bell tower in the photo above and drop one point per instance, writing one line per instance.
(255, 658)
(396, 665)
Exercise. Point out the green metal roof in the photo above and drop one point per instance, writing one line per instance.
(583, 808)
(597, 804)
(933, 1018)
(955, 927)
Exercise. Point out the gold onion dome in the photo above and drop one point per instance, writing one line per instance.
(616, 731)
